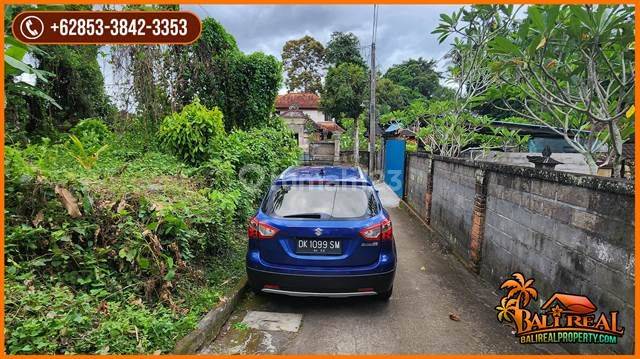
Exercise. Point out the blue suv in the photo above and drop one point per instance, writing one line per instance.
(321, 231)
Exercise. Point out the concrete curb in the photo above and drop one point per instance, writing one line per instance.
(210, 325)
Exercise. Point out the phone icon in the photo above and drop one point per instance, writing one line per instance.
(31, 27)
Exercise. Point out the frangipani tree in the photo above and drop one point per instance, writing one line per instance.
(473, 29)
(572, 67)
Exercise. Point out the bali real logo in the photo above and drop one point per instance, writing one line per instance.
(564, 318)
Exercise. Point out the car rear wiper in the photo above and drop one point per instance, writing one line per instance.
(304, 215)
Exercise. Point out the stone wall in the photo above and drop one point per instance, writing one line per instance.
(572, 233)
(324, 152)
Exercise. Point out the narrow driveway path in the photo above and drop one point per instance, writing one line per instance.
(431, 287)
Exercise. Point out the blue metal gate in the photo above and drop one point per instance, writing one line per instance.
(394, 165)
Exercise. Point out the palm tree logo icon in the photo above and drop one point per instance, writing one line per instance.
(564, 317)
(520, 293)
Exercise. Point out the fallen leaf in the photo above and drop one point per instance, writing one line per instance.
(103, 308)
(39, 218)
(68, 201)
(454, 317)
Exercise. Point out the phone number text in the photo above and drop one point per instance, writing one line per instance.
(120, 27)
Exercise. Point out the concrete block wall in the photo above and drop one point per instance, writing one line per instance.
(452, 204)
(572, 233)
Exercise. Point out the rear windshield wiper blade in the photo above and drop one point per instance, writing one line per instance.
(304, 215)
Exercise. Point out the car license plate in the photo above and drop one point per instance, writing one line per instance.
(318, 246)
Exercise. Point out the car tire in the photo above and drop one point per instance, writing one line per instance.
(384, 296)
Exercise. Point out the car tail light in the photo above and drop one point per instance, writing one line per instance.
(260, 230)
(387, 230)
(379, 231)
(266, 231)
(252, 230)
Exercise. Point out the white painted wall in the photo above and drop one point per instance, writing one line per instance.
(315, 115)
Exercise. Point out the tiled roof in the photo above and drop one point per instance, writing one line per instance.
(329, 126)
(299, 100)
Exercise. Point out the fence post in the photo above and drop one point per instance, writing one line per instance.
(478, 219)
(428, 191)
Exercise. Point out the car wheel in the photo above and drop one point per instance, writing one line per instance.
(384, 296)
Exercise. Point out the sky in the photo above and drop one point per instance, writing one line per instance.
(403, 31)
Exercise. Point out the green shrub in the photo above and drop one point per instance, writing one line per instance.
(92, 131)
(156, 239)
(260, 153)
(86, 156)
(188, 133)
(15, 167)
(218, 173)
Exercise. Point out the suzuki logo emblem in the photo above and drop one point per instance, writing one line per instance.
(318, 232)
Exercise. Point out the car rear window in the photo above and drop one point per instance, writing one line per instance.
(320, 202)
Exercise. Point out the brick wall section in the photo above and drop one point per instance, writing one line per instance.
(572, 233)
(477, 220)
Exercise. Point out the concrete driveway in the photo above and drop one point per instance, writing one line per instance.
(437, 307)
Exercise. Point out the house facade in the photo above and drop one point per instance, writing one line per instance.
(308, 103)
(302, 114)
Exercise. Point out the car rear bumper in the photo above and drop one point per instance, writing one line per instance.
(317, 285)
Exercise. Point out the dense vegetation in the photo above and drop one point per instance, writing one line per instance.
(124, 253)
(123, 229)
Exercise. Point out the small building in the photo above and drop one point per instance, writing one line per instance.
(297, 121)
(308, 103)
(324, 130)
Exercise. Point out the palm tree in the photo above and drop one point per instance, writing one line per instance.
(523, 290)
(507, 308)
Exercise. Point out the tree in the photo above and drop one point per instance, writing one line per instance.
(344, 91)
(144, 79)
(23, 105)
(474, 28)
(572, 67)
(303, 62)
(452, 125)
(418, 75)
(78, 86)
(446, 131)
(344, 48)
(343, 94)
(391, 96)
(51, 102)
(213, 70)
(243, 86)
(348, 138)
